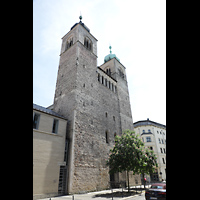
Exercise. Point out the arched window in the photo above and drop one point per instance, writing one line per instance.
(69, 43)
(108, 71)
(88, 43)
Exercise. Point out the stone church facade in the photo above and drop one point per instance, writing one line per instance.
(95, 101)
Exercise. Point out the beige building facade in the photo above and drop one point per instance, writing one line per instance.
(153, 135)
(49, 132)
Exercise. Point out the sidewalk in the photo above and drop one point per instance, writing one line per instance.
(102, 195)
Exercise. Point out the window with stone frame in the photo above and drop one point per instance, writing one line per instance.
(88, 43)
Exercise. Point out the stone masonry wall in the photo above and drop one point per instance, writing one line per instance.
(92, 111)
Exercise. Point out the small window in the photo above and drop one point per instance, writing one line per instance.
(106, 114)
(106, 82)
(106, 137)
(115, 135)
(102, 80)
(148, 139)
(161, 150)
(109, 72)
(36, 119)
(55, 126)
(164, 150)
(163, 160)
(162, 141)
(159, 141)
(143, 131)
(99, 77)
(151, 148)
(149, 131)
(113, 118)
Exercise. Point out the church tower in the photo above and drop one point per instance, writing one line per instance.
(74, 88)
(115, 69)
(95, 100)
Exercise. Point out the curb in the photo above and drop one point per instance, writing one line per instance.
(132, 196)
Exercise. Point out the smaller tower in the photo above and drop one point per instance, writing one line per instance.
(116, 70)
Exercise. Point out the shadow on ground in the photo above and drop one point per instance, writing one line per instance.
(119, 194)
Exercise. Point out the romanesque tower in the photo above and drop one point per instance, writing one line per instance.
(95, 100)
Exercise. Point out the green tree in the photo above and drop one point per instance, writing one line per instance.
(129, 154)
(147, 162)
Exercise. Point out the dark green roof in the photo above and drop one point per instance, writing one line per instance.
(110, 56)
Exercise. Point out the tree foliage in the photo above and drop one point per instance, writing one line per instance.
(130, 154)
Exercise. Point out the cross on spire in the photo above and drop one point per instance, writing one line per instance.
(80, 17)
(110, 48)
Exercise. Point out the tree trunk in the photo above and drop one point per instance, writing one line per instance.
(128, 181)
(143, 180)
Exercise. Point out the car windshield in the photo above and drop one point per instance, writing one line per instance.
(157, 187)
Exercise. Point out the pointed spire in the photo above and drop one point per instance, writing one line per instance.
(110, 48)
(80, 17)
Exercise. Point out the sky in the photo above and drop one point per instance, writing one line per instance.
(136, 30)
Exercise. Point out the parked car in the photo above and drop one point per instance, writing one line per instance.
(156, 191)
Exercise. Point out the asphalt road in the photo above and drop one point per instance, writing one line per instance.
(142, 197)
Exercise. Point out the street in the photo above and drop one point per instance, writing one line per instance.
(142, 197)
(103, 195)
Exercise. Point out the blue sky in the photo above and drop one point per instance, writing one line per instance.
(136, 30)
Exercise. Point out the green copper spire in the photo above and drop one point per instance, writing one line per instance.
(110, 56)
(110, 48)
(80, 17)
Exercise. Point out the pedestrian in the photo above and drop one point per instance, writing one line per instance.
(145, 182)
